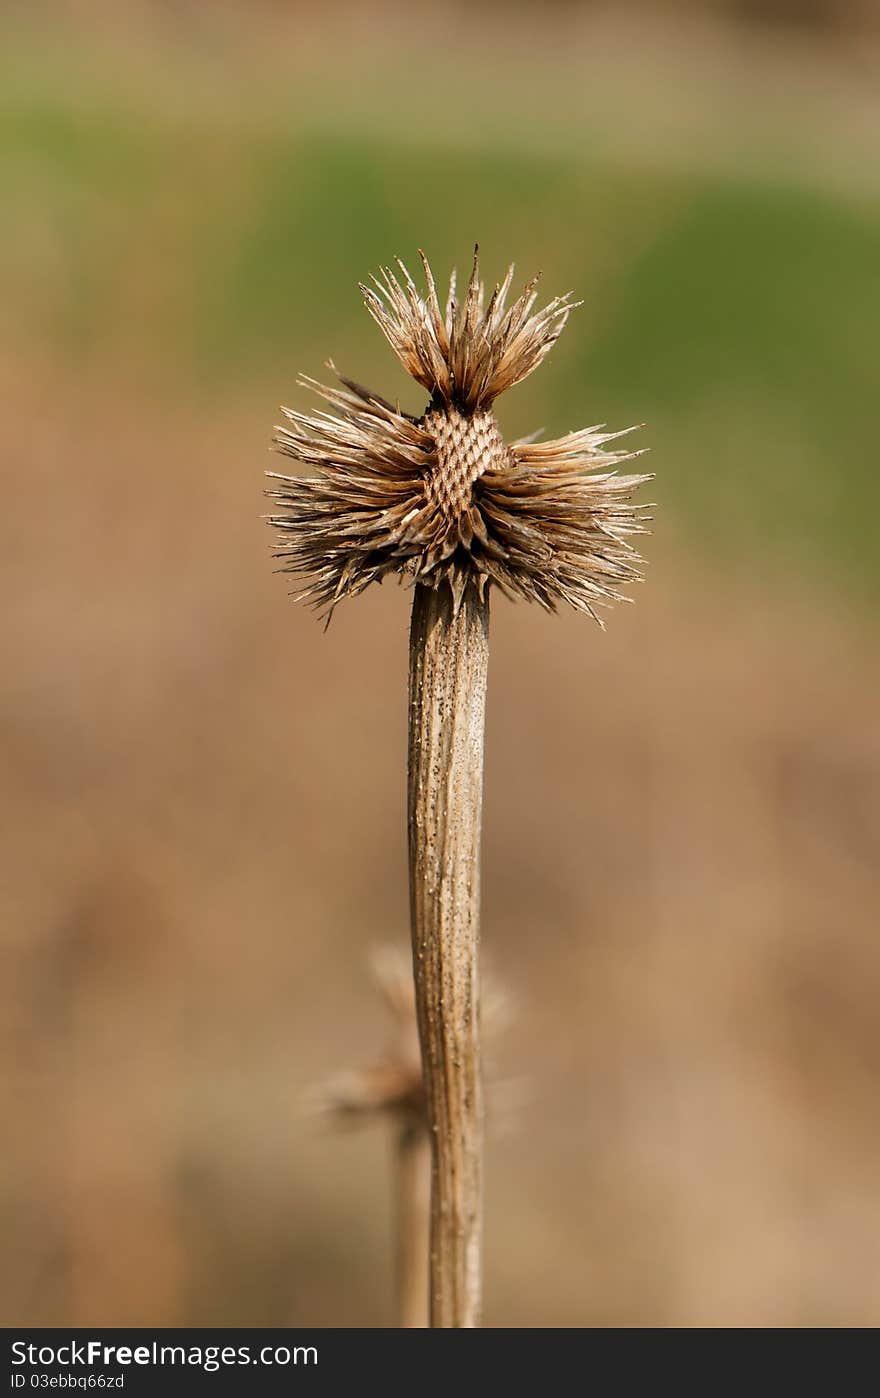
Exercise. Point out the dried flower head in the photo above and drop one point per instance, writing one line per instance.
(392, 1085)
(442, 497)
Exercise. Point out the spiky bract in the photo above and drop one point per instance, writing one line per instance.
(441, 498)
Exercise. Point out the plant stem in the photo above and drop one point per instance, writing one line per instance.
(412, 1223)
(449, 652)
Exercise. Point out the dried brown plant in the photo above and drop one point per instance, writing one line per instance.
(442, 499)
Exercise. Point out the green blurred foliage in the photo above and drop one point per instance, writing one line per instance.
(734, 315)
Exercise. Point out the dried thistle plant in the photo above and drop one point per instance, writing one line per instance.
(443, 501)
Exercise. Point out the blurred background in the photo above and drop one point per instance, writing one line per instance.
(203, 794)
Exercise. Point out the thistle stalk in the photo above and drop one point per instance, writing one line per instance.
(448, 661)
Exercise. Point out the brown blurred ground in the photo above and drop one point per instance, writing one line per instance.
(203, 816)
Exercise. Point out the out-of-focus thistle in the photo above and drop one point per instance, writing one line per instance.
(392, 1088)
(442, 500)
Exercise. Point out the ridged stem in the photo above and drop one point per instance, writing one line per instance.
(449, 651)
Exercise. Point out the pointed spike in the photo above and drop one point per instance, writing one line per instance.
(457, 582)
(505, 286)
(451, 304)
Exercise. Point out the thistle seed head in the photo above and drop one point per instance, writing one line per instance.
(441, 498)
(392, 1086)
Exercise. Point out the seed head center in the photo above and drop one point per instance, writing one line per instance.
(468, 444)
